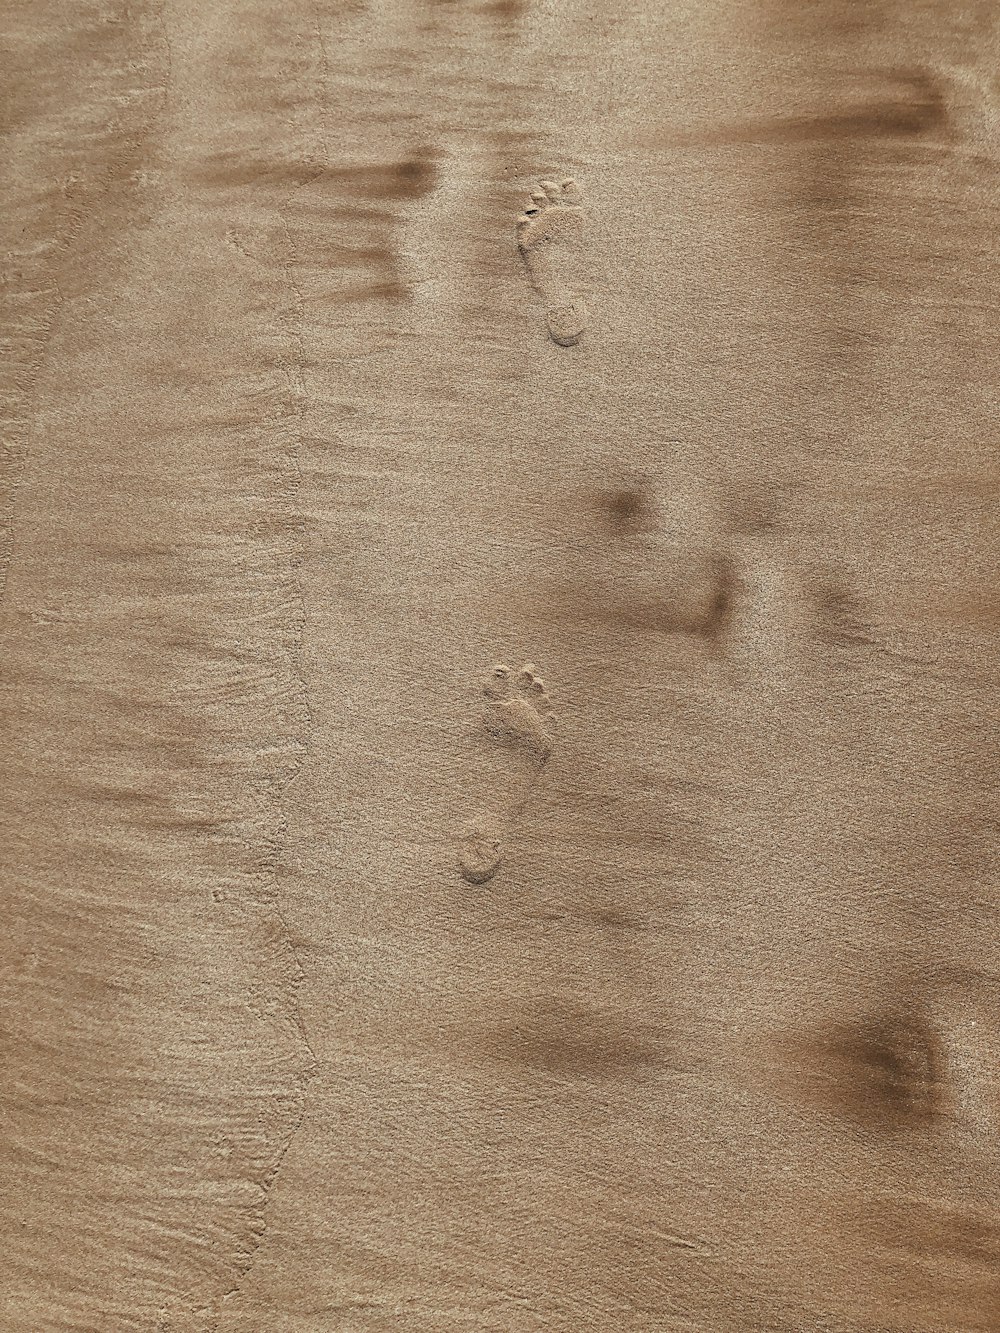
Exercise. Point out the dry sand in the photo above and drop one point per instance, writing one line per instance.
(500, 666)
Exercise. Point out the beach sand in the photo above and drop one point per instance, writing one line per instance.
(500, 667)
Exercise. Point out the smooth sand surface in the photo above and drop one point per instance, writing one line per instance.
(500, 666)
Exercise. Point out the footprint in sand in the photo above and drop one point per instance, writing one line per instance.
(549, 231)
(518, 717)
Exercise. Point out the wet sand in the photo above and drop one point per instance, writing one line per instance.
(500, 667)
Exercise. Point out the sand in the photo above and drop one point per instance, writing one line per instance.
(500, 667)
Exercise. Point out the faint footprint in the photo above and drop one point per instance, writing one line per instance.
(548, 232)
(518, 715)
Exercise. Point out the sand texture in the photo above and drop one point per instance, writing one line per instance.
(498, 548)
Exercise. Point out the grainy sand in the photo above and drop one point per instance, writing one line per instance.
(500, 667)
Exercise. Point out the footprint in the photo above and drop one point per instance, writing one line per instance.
(519, 716)
(517, 711)
(548, 232)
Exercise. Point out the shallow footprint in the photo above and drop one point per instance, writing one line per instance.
(519, 716)
(518, 709)
(548, 232)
